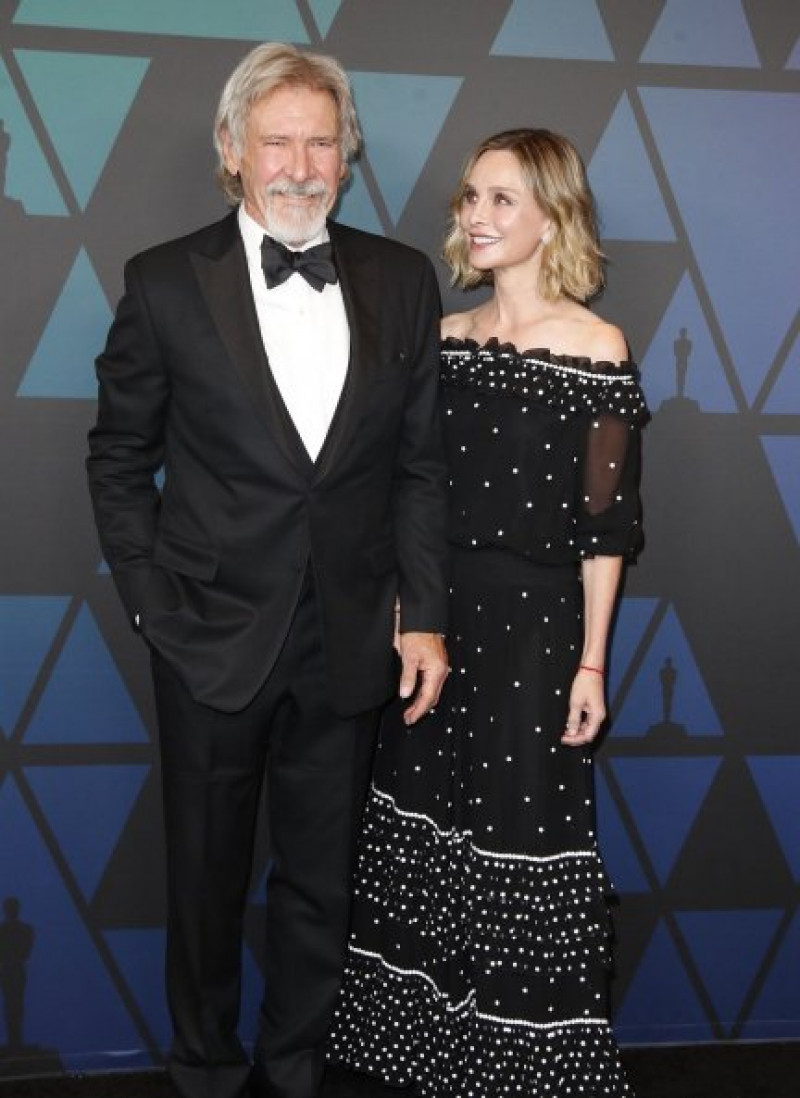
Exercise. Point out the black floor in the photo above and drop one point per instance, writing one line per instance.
(768, 1070)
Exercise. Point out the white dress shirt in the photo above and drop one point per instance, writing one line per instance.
(306, 337)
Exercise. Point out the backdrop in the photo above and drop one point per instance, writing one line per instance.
(687, 113)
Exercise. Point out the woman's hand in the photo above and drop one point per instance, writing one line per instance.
(587, 708)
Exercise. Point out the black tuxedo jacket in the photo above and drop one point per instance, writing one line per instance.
(212, 562)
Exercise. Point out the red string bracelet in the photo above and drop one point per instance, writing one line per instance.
(597, 670)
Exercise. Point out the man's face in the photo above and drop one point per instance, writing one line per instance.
(290, 164)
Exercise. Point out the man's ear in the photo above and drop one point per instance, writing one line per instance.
(228, 152)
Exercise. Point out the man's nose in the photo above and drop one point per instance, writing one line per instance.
(300, 165)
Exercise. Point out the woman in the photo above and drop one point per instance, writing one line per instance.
(479, 954)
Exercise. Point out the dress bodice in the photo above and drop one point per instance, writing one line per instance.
(543, 451)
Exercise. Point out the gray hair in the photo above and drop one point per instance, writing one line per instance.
(268, 67)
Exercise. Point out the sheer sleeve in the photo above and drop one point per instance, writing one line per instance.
(609, 508)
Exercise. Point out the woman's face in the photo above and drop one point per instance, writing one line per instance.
(499, 216)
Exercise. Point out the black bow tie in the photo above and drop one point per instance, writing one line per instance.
(314, 264)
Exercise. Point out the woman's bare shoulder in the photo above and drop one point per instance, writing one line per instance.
(457, 325)
(607, 343)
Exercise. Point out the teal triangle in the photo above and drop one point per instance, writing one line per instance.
(63, 362)
(28, 177)
(755, 302)
(567, 29)
(85, 700)
(74, 798)
(71, 1002)
(776, 1013)
(661, 1004)
(624, 867)
(79, 94)
(401, 117)
(715, 32)
(784, 397)
(139, 954)
(629, 201)
(728, 948)
(783, 454)
(240, 19)
(633, 617)
(356, 208)
(645, 706)
(28, 626)
(682, 358)
(664, 796)
(778, 780)
(324, 12)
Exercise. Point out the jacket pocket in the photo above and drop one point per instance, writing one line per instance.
(186, 557)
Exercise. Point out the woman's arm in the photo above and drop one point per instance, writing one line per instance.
(587, 707)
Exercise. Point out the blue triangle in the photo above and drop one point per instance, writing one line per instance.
(783, 454)
(63, 362)
(619, 856)
(633, 617)
(74, 798)
(71, 1003)
(784, 397)
(776, 1014)
(240, 19)
(728, 948)
(356, 208)
(664, 796)
(79, 94)
(140, 956)
(644, 705)
(661, 1005)
(715, 32)
(252, 994)
(794, 59)
(705, 381)
(629, 202)
(324, 12)
(401, 117)
(28, 177)
(85, 700)
(755, 301)
(258, 896)
(28, 625)
(567, 29)
(778, 781)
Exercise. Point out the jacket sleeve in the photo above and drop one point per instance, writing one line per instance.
(126, 445)
(420, 478)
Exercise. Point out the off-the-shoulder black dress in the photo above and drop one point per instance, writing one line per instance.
(478, 961)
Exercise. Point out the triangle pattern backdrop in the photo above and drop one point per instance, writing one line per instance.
(687, 115)
(243, 19)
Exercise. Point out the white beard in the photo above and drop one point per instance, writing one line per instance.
(294, 225)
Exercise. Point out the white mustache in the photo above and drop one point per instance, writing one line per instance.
(311, 188)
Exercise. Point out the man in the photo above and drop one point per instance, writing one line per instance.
(303, 499)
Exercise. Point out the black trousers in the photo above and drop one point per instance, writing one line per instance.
(316, 765)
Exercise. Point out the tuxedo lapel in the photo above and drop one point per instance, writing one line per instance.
(222, 273)
(358, 276)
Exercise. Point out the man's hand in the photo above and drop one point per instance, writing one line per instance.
(424, 669)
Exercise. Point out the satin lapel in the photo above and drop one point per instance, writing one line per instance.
(359, 278)
(225, 284)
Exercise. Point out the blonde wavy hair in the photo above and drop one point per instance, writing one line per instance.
(266, 68)
(572, 263)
